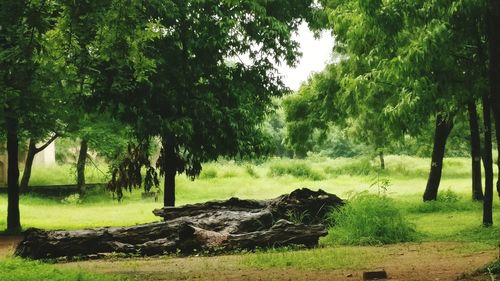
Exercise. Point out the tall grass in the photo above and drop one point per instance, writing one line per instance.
(369, 219)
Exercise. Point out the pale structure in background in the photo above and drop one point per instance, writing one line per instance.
(45, 157)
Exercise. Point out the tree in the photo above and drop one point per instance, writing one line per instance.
(22, 85)
(201, 100)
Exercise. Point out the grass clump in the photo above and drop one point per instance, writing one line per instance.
(298, 170)
(18, 269)
(208, 173)
(353, 167)
(447, 201)
(369, 219)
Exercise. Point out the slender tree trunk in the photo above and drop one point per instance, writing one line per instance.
(494, 69)
(13, 214)
(170, 171)
(381, 157)
(443, 128)
(80, 166)
(28, 165)
(32, 151)
(488, 164)
(475, 148)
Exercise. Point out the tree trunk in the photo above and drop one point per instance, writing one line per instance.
(28, 165)
(170, 171)
(488, 164)
(494, 69)
(381, 157)
(80, 166)
(444, 124)
(13, 214)
(475, 148)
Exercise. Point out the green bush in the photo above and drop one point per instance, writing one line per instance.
(369, 219)
(298, 170)
(208, 173)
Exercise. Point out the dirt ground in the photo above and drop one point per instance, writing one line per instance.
(433, 261)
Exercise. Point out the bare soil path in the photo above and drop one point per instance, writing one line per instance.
(435, 261)
(417, 261)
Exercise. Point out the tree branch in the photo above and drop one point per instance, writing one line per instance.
(52, 139)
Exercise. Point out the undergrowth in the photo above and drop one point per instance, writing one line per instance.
(298, 170)
(369, 219)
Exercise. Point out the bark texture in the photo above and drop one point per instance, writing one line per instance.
(13, 214)
(488, 164)
(80, 166)
(213, 226)
(444, 124)
(475, 149)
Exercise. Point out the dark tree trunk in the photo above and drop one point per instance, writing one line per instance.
(80, 165)
(28, 165)
(170, 159)
(494, 69)
(444, 124)
(488, 164)
(381, 157)
(13, 214)
(475, 149)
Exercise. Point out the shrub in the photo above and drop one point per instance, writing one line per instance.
(251, 171)
(208, 173)
(369, 219)
(298, 170)
(73, 199)
(448, 196)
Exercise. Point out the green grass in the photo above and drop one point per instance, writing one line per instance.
(18, 269)
(66, 174)
(318, 259)
(454, 217)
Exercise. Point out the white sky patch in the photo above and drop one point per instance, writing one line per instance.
(316, 54)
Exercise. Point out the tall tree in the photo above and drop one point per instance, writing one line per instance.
(22, 83)
(202, 100)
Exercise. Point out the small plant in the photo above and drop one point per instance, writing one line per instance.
(369, 219)
(73, 199)
(251, 171)
(297, 217)
(381, 183)
(448, 196)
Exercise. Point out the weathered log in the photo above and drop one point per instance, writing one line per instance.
(178, 238)
(312, 206)
(221, 226)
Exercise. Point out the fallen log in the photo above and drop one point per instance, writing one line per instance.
(212, 226)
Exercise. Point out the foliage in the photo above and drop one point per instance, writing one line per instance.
(299, 170)
(73, 199)
(208, 173)
(18, 269)
(369, 219)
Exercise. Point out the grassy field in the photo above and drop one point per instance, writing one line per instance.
(453, 218)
